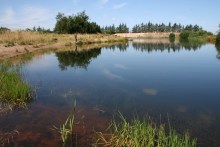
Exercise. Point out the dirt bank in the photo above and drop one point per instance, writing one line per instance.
(19, 43)
(145, 35)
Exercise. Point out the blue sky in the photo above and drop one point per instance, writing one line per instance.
(19, 14)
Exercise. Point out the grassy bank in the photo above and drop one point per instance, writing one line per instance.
(200, 36)
(14, 91)
(143, 133)
(21, 42)
(35, 38)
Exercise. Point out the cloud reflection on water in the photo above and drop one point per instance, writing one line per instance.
(150, 91)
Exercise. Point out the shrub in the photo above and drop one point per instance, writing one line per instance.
(217, 42)
(172, 37)
(184, 35)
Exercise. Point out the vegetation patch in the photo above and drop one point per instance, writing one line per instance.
(14, 90)
(143, 133)
(218, 39)
(172, 37)
(66, 129)
(198, 36)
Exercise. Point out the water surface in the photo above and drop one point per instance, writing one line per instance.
(179, 81)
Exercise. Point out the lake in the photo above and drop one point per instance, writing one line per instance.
(173, 82)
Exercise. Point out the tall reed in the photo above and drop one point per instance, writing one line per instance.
(143, 133)
(14, 90)
(66, 129)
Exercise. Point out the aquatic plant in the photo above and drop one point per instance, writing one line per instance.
(14, 90)
(140, 133)
(66, 129)
(7, 137)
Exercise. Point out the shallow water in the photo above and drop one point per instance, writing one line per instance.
(162, 80)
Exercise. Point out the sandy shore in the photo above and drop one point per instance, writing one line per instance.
(17, 50)
(145, 35)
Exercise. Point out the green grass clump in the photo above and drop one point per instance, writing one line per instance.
(144, 133)
(66, 129)
(13, 89)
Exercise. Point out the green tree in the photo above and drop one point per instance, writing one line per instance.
(217, 42)
(78, 23)
(184, 35)
(4, 29)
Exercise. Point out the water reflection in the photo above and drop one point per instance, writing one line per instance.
(77, 59)
(184, 85)
(218, 51)
(122, 47)
(149, 47)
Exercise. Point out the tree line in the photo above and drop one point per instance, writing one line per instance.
(79, 23)
(112, 29)
(4, 29)
(151, 27)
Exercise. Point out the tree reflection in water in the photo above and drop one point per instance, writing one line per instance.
(218, 50)
(77, 59)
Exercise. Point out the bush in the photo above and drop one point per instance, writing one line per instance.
(217, 42)
(3, 30)
(172, 37)
(184, 35)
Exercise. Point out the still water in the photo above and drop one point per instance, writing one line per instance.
(179, 82)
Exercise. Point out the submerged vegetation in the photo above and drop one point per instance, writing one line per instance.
(143, 133)
(66, 129)
(14, 90)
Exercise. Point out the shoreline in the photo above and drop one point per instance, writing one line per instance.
(84, 40)
(154, 35)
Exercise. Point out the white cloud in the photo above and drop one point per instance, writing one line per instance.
(75, 2)
(113, 19)
(104, 1)
(8, 17)
(119, 6)
(35, 15)
(27, 17)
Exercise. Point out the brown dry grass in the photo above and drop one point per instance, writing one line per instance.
(35, 38)
(99, 38)
(30, 38)
(146, 35)
(21, 42)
